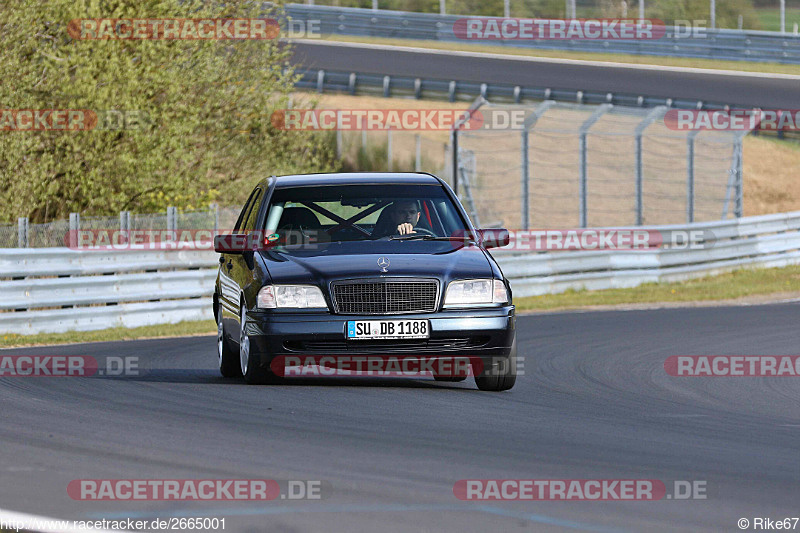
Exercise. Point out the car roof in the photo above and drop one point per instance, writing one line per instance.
(356, 178)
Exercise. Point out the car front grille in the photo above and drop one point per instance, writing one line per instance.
(385, 297)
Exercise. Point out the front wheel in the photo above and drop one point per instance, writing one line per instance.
(228, 360)
(501, 376)
(249, 364)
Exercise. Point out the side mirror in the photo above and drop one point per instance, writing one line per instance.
(494, 238)
(231, 243)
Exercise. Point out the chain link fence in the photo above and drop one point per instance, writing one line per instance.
(393, 150)
(55, 233)
(573, 165)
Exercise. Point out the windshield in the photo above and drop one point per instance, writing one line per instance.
(303, 215)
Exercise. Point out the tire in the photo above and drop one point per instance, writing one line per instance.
(500, 379)
(252, 373)
(228, 358)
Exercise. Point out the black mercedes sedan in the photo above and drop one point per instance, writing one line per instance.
(373, 264)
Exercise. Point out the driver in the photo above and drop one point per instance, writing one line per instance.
(403, 217)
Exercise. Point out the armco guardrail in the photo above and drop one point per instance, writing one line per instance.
(357, 83)
(46, 290)
(737, 45)
(58, 289)
(762, 241)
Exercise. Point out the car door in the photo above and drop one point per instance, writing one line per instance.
(229, 288)
(241, 270)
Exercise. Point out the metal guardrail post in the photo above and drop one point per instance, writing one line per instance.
(656, 114)
(527, 125)
(735, 179)
(351, 85)
(215, 208)
(320, 81)
(713, 10)
(783, 16)
(363, 127)
(387, 80)
(730, 185)
(478, 102)
(465, 177)
(172, 220)
(454, 158)
(525, 186)
(584, 130)
(639, 179)
(74, 228)
(417, 153)
(124, 220)
(739, 208)
(74, 221)
(389, 150)
(22, 232)
(690, 175)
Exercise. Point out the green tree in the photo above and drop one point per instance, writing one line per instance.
(208, 103)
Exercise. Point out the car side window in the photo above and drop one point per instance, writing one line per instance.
(254, 209)
(245, 210)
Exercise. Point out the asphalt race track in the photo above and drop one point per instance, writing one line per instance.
(766, 91)
(594, 403)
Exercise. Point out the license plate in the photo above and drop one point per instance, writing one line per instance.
(388, 329)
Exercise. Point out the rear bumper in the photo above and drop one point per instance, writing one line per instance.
(485, 333)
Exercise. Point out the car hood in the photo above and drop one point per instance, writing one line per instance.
(329, 262)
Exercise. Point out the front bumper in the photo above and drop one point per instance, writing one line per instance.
(487, 333)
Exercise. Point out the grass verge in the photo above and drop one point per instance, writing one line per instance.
(182, 329)
(754, 285)
(770, 18)
(744, 66)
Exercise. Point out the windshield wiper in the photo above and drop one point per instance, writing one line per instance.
(421, 237)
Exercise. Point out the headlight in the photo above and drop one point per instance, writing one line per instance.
(475, 292)
(290, 296)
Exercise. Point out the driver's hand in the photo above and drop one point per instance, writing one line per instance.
(405, 228)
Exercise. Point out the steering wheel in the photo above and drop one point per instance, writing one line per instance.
(423, 231)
